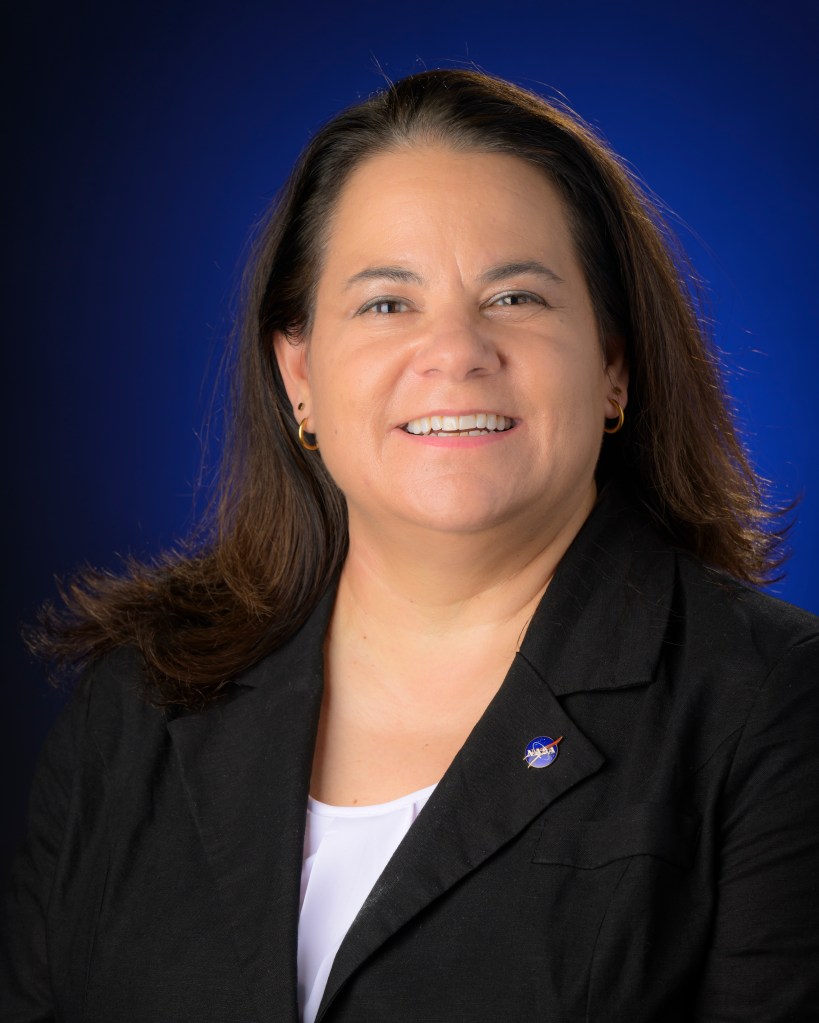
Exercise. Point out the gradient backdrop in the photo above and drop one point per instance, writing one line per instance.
(147, 139)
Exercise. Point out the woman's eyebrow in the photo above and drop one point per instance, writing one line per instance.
(527, 266)
(493, 275)
(389, 273)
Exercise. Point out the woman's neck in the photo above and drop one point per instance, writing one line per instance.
(422, 635)
(415, 583)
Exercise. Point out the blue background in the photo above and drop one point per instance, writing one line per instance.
(145, 142)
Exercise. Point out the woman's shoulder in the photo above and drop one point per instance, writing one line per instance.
(109, 712)
(708, 615)
(742, 625)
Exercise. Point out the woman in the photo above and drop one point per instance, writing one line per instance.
(465, 709)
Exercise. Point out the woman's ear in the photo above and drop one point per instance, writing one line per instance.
(291, 355)
(616, 370)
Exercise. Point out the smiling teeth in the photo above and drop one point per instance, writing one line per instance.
(459, 426)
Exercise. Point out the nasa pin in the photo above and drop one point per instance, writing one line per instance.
(542, 752)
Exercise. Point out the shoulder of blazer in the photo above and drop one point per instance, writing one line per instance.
(122, 726)
(735, 624)
(110, 707)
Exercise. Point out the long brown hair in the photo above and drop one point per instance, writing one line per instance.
(276, 532)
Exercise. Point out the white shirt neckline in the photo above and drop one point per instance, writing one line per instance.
(368, 809)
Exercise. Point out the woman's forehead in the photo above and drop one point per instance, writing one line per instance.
(422, 201)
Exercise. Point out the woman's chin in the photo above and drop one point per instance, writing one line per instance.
(458, 510)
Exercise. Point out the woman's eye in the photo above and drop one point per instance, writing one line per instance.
(385, 306)
(514, 298)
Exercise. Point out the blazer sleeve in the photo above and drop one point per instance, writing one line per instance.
(25, 983)
(764, 958)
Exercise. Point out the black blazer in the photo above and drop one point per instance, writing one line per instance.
(665, 867)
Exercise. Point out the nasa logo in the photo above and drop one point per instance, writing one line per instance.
(542, 752)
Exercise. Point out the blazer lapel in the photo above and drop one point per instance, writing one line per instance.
(246, 766)
(599, 627)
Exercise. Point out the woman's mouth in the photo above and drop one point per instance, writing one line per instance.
(474, 425)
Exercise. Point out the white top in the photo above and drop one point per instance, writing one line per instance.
(345, 850)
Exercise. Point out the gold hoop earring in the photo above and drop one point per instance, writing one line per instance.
(621, 418)
(302, 440)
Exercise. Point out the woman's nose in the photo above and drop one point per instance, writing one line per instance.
(458, 346)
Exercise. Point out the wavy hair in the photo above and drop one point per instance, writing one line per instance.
(275, 533)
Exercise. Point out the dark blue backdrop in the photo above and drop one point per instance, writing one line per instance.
(147, 140)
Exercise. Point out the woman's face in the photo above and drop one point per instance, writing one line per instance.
(454, 376)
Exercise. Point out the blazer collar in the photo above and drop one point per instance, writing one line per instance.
(603, 619)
